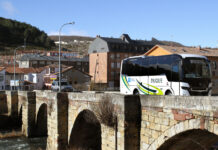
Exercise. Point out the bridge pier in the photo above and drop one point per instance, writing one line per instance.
(58, 122)
(3, 103)
(12, 104)
(28, 104)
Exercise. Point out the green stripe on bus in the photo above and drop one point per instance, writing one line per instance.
(146, 90)
(142, 90)
(150, 90)
(125, 82)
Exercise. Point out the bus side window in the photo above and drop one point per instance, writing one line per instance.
(175, 68)
(152, 65)
(144, 67)
(164, 66)
(125, 69)
(175, 72)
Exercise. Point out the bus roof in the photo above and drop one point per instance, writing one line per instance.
(182, 55)
(192, 55)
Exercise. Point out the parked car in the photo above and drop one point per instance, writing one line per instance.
(65, 86)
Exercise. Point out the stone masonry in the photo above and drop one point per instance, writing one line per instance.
(143, 122)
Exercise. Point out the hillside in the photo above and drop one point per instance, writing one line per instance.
(13, 34)
(81, 43)
(71, 38)
(78, 44)
(169, 43)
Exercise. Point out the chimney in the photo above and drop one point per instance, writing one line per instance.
(125, 38)
(98, 36)
(198, 47)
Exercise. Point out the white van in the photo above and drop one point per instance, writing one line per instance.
(65, 86)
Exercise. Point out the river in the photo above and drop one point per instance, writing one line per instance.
(22, 143)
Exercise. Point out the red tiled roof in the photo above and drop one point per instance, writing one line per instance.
(65, 69)
(32, 70)
(68, 68)
(2, 68)
(11, 70)
(187, 50)
(24, 70)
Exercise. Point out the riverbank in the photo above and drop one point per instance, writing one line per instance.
(10, 134)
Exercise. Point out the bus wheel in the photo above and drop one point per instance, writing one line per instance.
(136, 92)
(168, 93)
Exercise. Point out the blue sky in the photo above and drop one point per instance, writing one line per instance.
(190, 22)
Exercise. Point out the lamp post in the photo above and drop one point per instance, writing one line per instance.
(15, 61)
(60, 52)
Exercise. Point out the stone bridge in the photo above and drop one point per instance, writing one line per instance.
(72, 120)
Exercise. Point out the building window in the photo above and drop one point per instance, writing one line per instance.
(112, 65)
(41, 62)
(214, 64)
(78, 63)
(1, 77)
(111, 83)
(112, 56)
(34, 62)
(118, 55)
(118, 65)
(52, 70)
(113, 75)
(112, 46)
(125, 47)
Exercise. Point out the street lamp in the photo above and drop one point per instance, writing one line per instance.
(60, 52)
(15, 61)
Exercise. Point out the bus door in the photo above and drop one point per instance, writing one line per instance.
(175, 75)
(134, 71)
(144, 72)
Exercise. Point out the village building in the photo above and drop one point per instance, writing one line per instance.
(25, 78)
(105, 55)
(63, 53)
(37, 61)
(78, 79)
(14, 82)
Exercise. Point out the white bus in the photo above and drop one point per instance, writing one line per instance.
(176, 74)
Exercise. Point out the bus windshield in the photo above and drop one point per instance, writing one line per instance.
(196, 68)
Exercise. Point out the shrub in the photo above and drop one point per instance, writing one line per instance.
(105, 111)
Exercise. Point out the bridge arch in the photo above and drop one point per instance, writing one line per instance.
(41, 126)
(195, 139)
(86, 131)
(177, 131)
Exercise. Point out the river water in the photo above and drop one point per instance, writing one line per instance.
(22, 143)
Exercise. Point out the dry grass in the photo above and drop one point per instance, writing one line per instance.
(105, 111)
